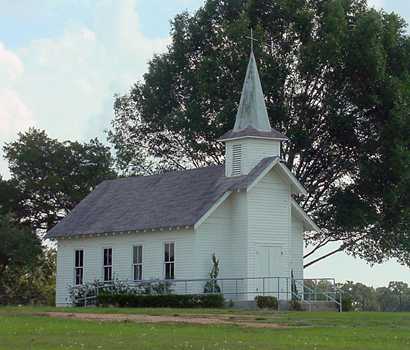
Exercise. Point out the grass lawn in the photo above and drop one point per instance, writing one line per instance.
(20, 328)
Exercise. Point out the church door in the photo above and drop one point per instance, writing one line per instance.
(270, 263)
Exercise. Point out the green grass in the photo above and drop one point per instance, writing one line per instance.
(21, 329)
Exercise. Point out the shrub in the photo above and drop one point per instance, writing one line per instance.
(266, 302)
(295, 305)
(107, 298)
(347, 302)
(211, 286)
(116, 286)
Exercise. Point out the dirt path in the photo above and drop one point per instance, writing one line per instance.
(191, 319)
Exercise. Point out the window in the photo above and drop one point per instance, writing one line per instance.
(169, 260)
(107, 264)
(236, 160)
(79, 267)
(137, 262)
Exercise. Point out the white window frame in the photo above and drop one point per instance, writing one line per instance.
(134, 264)
(165, 263)
(78, 267)
(107, 265)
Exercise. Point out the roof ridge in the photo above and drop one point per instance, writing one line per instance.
(166, 173)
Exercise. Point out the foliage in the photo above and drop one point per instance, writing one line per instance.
(347, 302)
(108, 298)
(211, 285)
(293, 287)
(336, 77)
(395, 297)
(295, 305)
(27, 271)
(318, 290)
(9, 197)
(49, 177)
(78, 293)
(19, 247)
(266, 302)
(363, 297)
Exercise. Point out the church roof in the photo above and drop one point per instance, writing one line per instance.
(252, 118)
(170, 200)
(250, 132)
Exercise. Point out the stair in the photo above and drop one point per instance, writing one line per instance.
(320, 306)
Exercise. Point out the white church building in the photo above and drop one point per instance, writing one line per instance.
(168, 226)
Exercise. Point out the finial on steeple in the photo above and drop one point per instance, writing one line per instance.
(252, 109)
(252, 39)
(252, 117)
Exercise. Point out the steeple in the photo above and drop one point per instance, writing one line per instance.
(252, 138)
(252, 109)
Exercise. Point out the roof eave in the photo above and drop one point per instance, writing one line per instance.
(297, 187)
(214, 206)
(253, 137)
(308, 223)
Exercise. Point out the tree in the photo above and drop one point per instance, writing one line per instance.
(19, 251)
(18, 246)
(363, 297)
(9, 197)
(27, 270)
(336, 79)
(386, 300)
(49, 177)
(398, 289)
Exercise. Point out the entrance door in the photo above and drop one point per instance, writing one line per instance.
(270, 263)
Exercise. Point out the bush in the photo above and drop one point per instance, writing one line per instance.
(266, 302)
(116, 286)
(106, 298)
(295, 305)
(347, 303)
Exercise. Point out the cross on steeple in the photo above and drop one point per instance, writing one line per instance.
(252, 39)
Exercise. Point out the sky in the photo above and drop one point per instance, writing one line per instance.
(61, 63)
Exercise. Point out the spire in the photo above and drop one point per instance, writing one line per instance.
(252, 109)
(252, 119)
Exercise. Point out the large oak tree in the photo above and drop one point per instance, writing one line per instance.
(50, 177)
(336, 76)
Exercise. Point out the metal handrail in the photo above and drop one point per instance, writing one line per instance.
(235, 289)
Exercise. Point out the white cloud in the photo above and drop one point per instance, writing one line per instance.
(376, 3)
(68, 82)
(14, 114)
(10, 64)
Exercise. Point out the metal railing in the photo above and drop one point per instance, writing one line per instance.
(307, 291)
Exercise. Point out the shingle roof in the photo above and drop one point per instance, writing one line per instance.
(151, 202)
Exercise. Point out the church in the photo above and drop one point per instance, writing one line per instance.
(168, 226)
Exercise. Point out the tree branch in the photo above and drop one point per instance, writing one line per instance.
(321, 244)
(342, 247)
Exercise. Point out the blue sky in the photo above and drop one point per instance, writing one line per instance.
(62, 61)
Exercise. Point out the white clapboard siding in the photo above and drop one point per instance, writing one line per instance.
(153, 257)
(224, 233)
(296, 249)
(214, 236)
(251, 151)
(241, 223)
(269, 219)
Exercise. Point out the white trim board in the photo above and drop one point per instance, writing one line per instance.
(308, 223)
(296, 186)
(212, 209)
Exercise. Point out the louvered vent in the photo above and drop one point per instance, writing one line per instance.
(236, 160)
